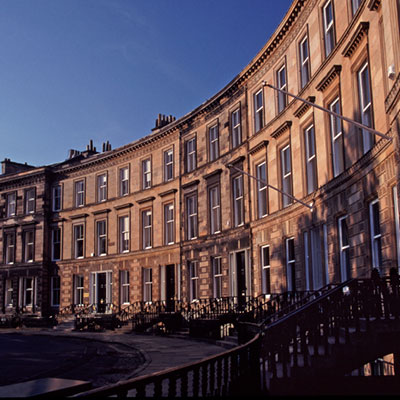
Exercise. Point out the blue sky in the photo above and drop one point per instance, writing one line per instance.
(75, 70)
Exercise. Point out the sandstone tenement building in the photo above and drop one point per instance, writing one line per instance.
(172, 215)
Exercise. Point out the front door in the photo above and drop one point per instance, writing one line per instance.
(241, 277)
(170, 287)
(101, 292)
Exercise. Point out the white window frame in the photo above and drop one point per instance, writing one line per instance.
(168, 165)
(147, 285)
(9, 247)
(311, 159)
(262, 200)
(79, 289)
(146, 173)
(191, 154)
(193, 267)
(336, 129)
(258, 110)
(238, 200)
(124, 234)
(124, 287)
(124, 181)
(169, 234)
(80, 193)
(29, 245)
(329, 28)
(79, 240)
(215, 209)
(146, 229)
(9, 292)
(101, 236)
(376, 236)
(213, 142)
(30, 199)
(355, 4)
(282, 85)
(56, 197)
(11, 204)
(364, 92)
(101, 187)
(191, 211)
(217, 276)
(304, 61)
(265, 269)
(286, 168)
(236, 128)
(344, 249)
(55, 291)
(28, 289)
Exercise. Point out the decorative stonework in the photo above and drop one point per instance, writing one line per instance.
(393, 95)
(79, 216)
(304, 107)
(163, 194)
(106, 210)
(122, 206)
(192, 183)
(145, 200)
(361, 30)
(284, 127)
(333, 72)
(259, 147)
(211, 174)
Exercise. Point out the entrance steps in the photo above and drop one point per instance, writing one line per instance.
(67, 324)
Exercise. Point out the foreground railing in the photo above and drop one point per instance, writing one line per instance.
(233, 372)
(284, 344)
(293, 341)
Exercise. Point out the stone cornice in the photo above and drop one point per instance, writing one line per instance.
(258, 147)
(304, 107)
(122, 206)
(10, 227)
(145, 200)
(167, 192)
(27, 223)
(105, 210)
(278, 132)
(332, 73)
(213, 173)
(77, 216)
(24, 178)
(189, 184)
(361, 30)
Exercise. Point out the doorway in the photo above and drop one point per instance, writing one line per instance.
(101, 291)
(170, 287)
(240, 276)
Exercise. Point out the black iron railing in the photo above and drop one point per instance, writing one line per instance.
(289, 340)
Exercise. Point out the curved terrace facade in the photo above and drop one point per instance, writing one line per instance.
(253, 192)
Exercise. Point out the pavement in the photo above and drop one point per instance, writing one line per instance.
(100, 357)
